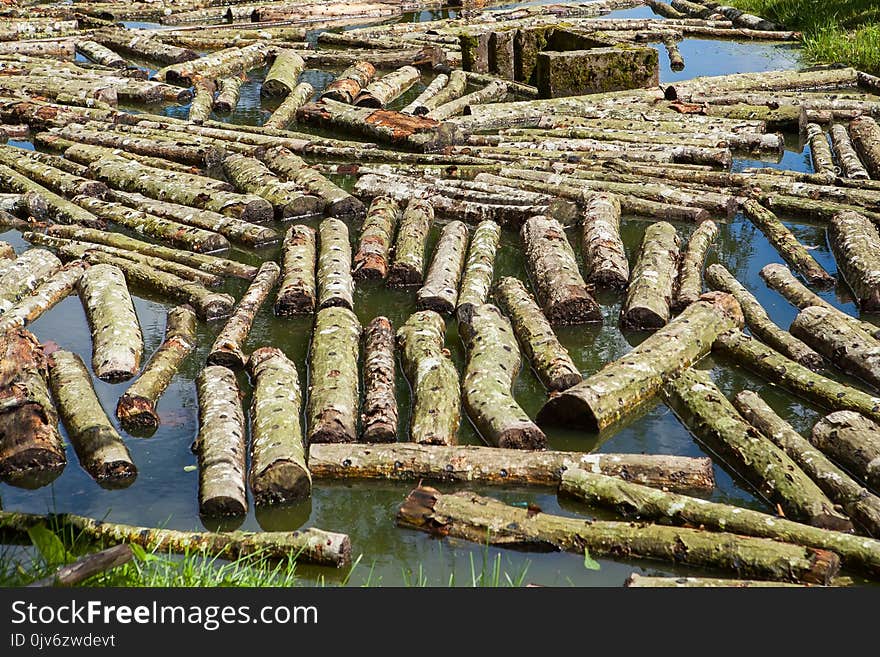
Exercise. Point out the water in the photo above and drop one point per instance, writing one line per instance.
(165, 492)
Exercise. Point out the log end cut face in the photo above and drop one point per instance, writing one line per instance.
(137, 413)
(285, 482)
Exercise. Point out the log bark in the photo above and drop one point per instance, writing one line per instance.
(759, 322)
(649, 295)
(453, 89)
(220, 64)
(855, 243)
(623, 385)
(436, 408)
(59, 208)
(858, 503)
(689, 285)
(202, 102)
(254, 177)
(467, 516)
(278, 472)
(28, 204)
(144, 47)
(98, 446)
(137, 406)
(54, 289)
(199, 155)
(348, 85)
(297, 292)
(820, 151)
(374, 247)
(604, 256)
(283, 74)
(86, 567)
(333, 369)
(494, 91)
(24, 274)
(409, 246)
(850, 164)
(50, 176)
(285, 113)
(335, 282)
(853, 441)
(379, 415)
(782, 80)
(440, 290)
(479, 269)
(227, 349)
(228, 93)
(865, 134)
(416, 106)
(382, 92)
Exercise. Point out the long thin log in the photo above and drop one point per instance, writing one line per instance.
(440, 290)
(453, 89)
(409, 246)
(429, 91)
(199, 155)
(642, 581)
(855, 243)
(51, 291)
(285, 113)
(51, 176)
(202, 103)
(649, 295)
(374, 245)
(379, 415)
(220, 64)
(297, 292)
(144, 47)
(494, 91)
(604, 256)
(24, 274)
(479, 269)
(820, 151)
(853, 441)
(87, 566)
(847, 157)
(59, 207)
(689, 285)
(865, 134)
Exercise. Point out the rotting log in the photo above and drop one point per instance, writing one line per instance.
(431, 90)
(850, 164)
(297, 292)
(408, 266)
(745, 452)
(59, 208)
(278, 472)
(623, 385)
(285, 113)
(51, 291)
(283, 74)
(228, 93)
(479, 269)
(470, 517)
(227, 349)
(379, 414)
(335, 282)
(652, 284)
(137, 405)
(436, 390)
(865, 134)
(857, 502)
(758, 320)
(604, 256)
(440, 290)
(549, 359)
(252, 176)
(24, 274)
(855, 243)
(349, 83)
(117, 341)
(377, 234)
(853, 441)
(689, 285)
(552, 266)
(98, 446)
(385, 90)
(333, 381)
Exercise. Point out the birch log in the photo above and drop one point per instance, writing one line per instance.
(379, 414)
(651, 287)
(297, 292)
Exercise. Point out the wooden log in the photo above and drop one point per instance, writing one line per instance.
(440, 290)
(453, 89)
(604, 256)
(847, 157)
(278, 472)
(48, 293)
(220, 64)
(333, 366)
(349, 83)
(379, 415)
(417, 104)
(641, 581)
(24, 274)
(468, 516)
(27, 204)
(865, 134)
(297, 292)
(251, 175)
(855, 243)
(820, 151)
(50, 176)
(407, 266)
(713, 420)
(335, 283)
(285, 113)
(88, 566)
(689, 285)
(853, 441)
(228, 93)
(59, 208)
(202, 103)
(436, 408)
(759, 322)
(856, 501)
(385, 90)
(137, 406)
(227, 349)
(144, 46)
(494, 91)
(782, 80)
(374, 246)
(652, 284)
(63, 50)
(283, 74)
(479, 269)
(200, 155)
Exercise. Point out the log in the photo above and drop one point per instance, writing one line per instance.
(52, 177)
(713, 420)
(440, 290)
(820, 151)
(137, 406)
(379, 414)
(98, 446)
(759, 322)
(865, 134)
(24, 274)
(855, 243)
(470, 517)
(850, 164)
(283, 74)
(31, 449)
(219, 64)
(479, 269)
(604, 256)
(335, 283)
(349, 83)
(228, 93)
(297, 292)
(623, 385)
(436, 408)
(333, 367)
(649, 295)
(202, 103)
(117, 341)
(453, 89)
(853, 441)
(374, 246)
(144, 47)
(227, 349)
(559, 287)
(47, 294)
(416, 106)
(782, 80)
(689, 285)
(494, 91)
(86, 567)
(285, 113)
(181, 151)
(28, 204)
(644, 582)
(278, 472)
(409, 246)
(63, 50)
(676, 60)
(382, 92)
(858, 503)
(252, 176)
(59, 208)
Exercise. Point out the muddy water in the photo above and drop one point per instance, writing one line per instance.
(164, 493)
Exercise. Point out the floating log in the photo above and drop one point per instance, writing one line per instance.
(385, 90)
(335, 283)
(820, 151)
(782, 80)
(853, 441)
(436, 408)
(377, 233)
(479, 269)
(641, 581)
(453, 89)
(254, 177)
(24, 274)
(98, 446)
(297, 293)
(227, 348)
(278, 472)
(228, 93)
(202, 103)
(494, 91)
(604, 256)
(689, 285)
(333, 367)
(52, 290)
(283, 74)
(28, 204)
(199, 155)
(865, 134)
(379, 414)
(649, 295)
(219, 64)
(144, 47)
(430, 91)
(759, 322)
(440, 290)
(850, 164)
(52, 177)
(409, 247)
(59, 208)
(856, 246)
(285, 113)
(858, 503)
(480, 519)
(64, 50)
(137, 406)
(349, 83)
(625, 384)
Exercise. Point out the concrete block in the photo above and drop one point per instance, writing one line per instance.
(598, 70)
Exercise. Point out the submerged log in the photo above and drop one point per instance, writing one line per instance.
(278, 472)
(349, 83)
(227, 348)
(649, 295)
(98, 446)
(436, 408)
(689, 285)
(333, 366)
(297, 292)
(386, 89)
(137, 406)
(479, 269)
(440, 290)
(379, 414)
(471, 517)
(865, 134)
(855, 243)
(409, 247)
(850, 164)
(254, 177)
(335, 283)
(51, 291)
(377, 233)
(285, 113)
(604, 256)
(283, 74)
(24, 274)
(853, 441)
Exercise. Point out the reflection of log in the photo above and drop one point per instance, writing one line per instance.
(652, 283)
(853, 441)
(379, 414)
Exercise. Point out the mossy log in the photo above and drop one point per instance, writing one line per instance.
(766, 81)
(850, 164)
(202, 102)
(297, 292)
(385, 90)
(689, 285)
(59, 208)
(283, 74)
(636, 581)
(853, 441)
(98, 446)
(50, 176)
(335, 282)
(137, 406)
(604, 256)
(227, 349)
(855, 243)
(333, 367)
(652, 284)
(24, 274)
(28, 204)
(453, 89)
(349, 83)
(479, 268)
(117, 341)
(552, 267)
(379, 415)
(252, 176)
(52, 290)
(820, 151)
(199, 155)
(623, 385)
(494, 91)
(228, 93)
(470, 517)
(408, 265)
(144, 47)
(436, 389)
(219, 64)
(62, 50)
(759, 322)
(278, 471)
(707, 413)
(377, 233)
(440, 290)
(429, 91)
(220, 444)
(865, 134)
(856, 501)
(285, 113)
(31, 449)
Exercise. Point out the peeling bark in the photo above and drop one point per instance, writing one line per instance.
(348, 85)
(379, 415)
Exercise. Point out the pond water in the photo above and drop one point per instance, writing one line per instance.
(165, 492)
